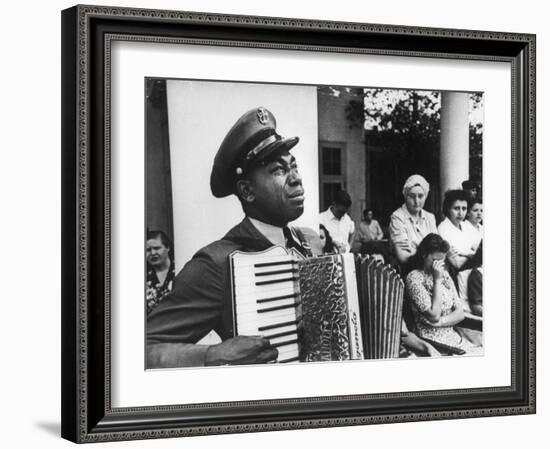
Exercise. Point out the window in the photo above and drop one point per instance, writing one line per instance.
(332, 161)
(331, 172)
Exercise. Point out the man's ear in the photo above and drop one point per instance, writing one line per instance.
(245, 191)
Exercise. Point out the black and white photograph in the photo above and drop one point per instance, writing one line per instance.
(291, 223)
(320, 219)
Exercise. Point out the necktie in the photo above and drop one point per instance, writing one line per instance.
(291, 241)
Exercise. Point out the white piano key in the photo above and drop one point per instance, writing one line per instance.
(251, 327)
(272, 278)
(290, 354)
(288, 338)
(288, 351)
(290, 328)
(250, 294)
(268, 317)
(288, 285)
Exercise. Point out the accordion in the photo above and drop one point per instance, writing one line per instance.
(335, 307)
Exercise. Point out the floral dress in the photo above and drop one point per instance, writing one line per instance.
(420, 287)
(155, 291)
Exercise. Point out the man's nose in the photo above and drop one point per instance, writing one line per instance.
(295, 177)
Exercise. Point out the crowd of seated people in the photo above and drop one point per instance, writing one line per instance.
(441, 264)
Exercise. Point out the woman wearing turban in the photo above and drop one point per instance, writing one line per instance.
(411, 223)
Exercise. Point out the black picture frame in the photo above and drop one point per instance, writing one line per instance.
(87, 31)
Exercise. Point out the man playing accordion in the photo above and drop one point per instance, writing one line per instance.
(253, 163)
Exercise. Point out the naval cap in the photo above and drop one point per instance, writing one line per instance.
(251, 139)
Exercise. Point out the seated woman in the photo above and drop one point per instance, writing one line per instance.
(473, 228)
(435, 303)
(369, 230)
(475, 215)
(160, 268)
(411, 223)
(460, 234)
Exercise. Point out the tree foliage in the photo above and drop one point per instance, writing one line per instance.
(407, 123)
(404, 122)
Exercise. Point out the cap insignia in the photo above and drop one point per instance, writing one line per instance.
(263, 116)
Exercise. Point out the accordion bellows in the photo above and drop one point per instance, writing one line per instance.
(333, 307)
(381, 290)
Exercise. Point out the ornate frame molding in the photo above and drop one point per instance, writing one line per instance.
(86, 218)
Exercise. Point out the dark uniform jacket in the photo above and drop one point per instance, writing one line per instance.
(200, 300)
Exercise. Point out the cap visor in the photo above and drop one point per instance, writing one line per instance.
(279, 145)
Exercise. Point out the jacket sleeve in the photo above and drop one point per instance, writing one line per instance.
(193, 308)
(398, 229)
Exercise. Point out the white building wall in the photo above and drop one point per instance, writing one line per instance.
(200, 114)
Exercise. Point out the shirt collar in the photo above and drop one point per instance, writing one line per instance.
(421, 216)
(460, 226)
(334, 217)
(272, 233)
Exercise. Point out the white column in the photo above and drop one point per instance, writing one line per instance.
(455, 143)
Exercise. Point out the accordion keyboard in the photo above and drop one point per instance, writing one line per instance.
(266, 295)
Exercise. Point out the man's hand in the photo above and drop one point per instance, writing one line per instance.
(241, 350)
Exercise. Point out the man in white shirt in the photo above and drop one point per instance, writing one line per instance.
(338, 223)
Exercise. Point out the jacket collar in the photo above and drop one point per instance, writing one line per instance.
(421, 215)
(246, 234)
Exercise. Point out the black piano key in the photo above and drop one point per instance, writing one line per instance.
(277, 325)
(292, 359)
(285, 343)
(273, 264)
(273, 309)
(276, 281)
(275, 298)
(271, 273)
(281, 334)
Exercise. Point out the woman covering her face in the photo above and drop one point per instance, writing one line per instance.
(435, 303)
(411, 223)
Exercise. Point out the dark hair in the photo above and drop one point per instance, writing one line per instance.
(376, 247)
(367, 210)
(432, 243)
(474, 200)
(342, 197)
(454, 195)
(469, 184)
(329, 245)
(163, 238)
